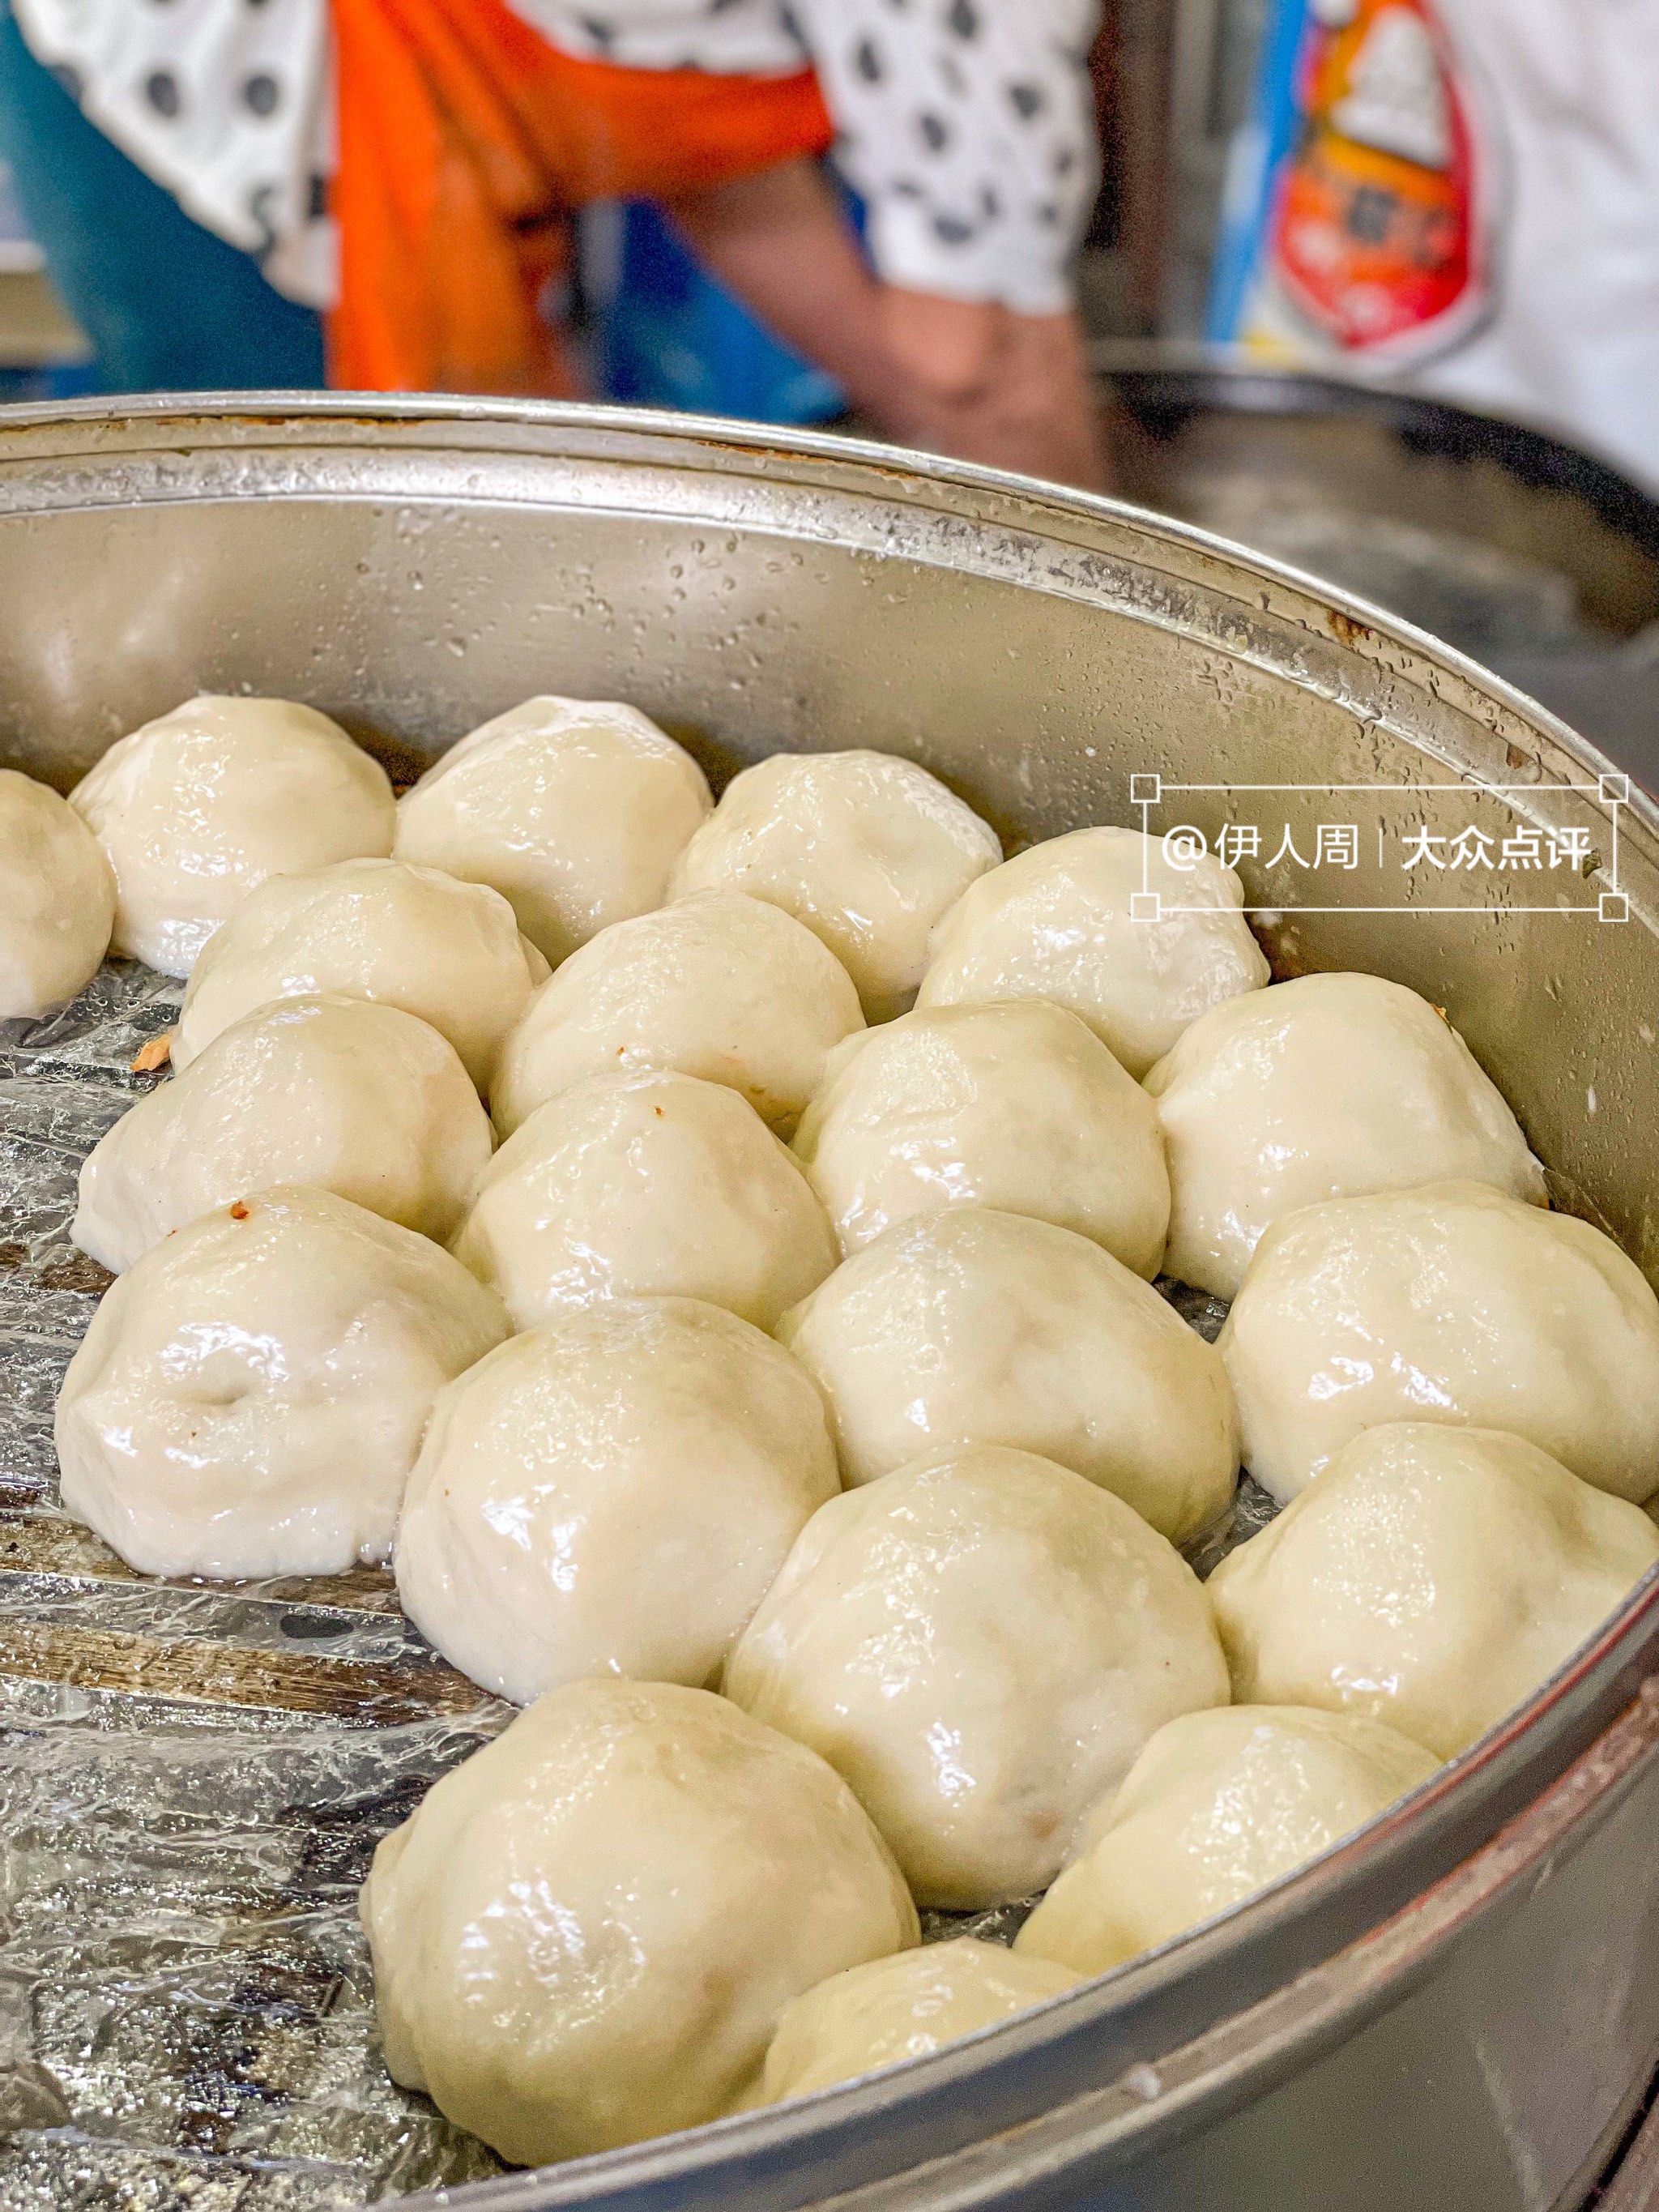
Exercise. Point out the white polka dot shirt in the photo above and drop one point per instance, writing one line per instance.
(967, 126)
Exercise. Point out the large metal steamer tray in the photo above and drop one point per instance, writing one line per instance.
(1459, 2008)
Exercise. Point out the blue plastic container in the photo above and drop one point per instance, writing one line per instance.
(670, 336)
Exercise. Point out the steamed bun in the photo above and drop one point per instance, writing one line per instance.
(446, 951)
(1456, 1304)
(1055, 922)
(1327, 1087)
(250, 1397)
(610, 1494)
(974, 1327)
(57, 899)
(196, 810)
(1217, 1805)
(718, 985)
(1432, 1577)
(865, 849)
(586, 1934)
(572, 809)
(360, 1099)
(981, 1643)
(903, 2006)
(1018, 1107)
(631, 1185)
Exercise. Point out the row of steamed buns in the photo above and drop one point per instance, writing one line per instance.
(982, 1639)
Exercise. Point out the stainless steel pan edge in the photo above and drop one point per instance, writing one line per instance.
(1381, 676)
(1364, 687)
(1103, 2138)
(1097, 2089)
(155, 449)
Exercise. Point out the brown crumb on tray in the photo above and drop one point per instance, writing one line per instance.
(157, 1054)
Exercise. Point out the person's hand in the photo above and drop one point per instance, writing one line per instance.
(975, 379)
(951, 350)
(966, 377)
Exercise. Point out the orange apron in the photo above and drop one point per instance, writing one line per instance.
(464, 141)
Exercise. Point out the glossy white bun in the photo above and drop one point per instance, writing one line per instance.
(610, 1494)
(360, 1099)
(717, 985)
(1217, 1805)
(1432, 1578)
(197, 809)
(250, 1397)
(975, 1326)
(638, 1186)
(57, 899)
(865, 849)
(1330, 1086)
(574, 810)
(413, 937)
(1056, 922)
(981, 1643)
(700, 1871)
(1456, 1304)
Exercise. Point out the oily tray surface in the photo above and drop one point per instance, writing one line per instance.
(194, 1777)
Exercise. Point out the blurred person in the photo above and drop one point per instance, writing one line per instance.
(168, 304)
(402, 173)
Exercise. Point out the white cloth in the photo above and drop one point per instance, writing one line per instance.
(224, 103)
(966, 125)
(1571, 92)
(752, 38)
(968, 128)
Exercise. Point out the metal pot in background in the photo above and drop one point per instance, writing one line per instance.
(1458, 2008)
(1532, 557)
